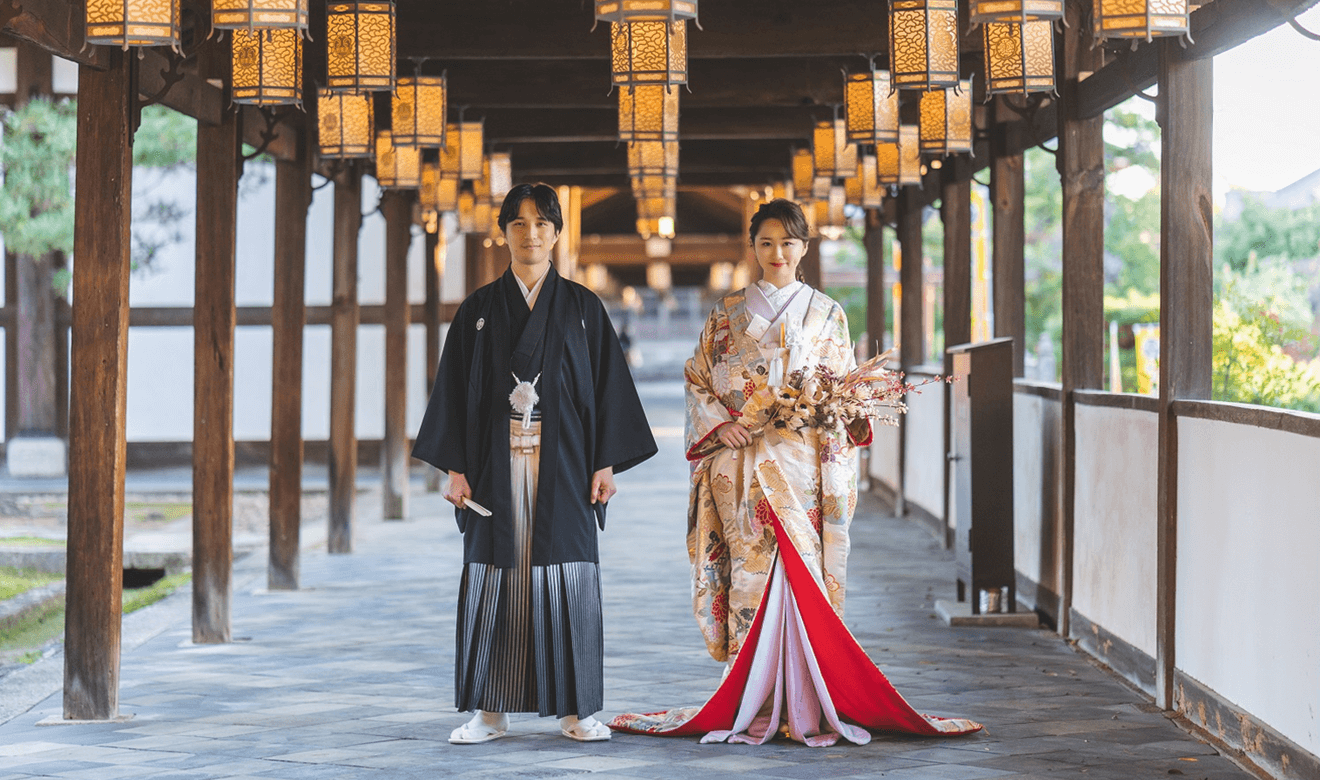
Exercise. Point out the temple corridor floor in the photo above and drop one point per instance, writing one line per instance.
(352, 676)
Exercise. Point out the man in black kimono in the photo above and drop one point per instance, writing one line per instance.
(532, 413)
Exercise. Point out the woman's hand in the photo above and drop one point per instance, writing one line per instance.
(602, 485)
(457, 491)
(734, 436)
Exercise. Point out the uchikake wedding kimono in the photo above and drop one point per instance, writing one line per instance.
(768, 538)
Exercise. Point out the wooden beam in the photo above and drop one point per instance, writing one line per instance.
(218, 166)
(1186, 303)
(259, 316)
(97, 453)
(1081, 162)
(687, 250)
(1007, 199)
(785, 124)
(293, 197)
(343, 359)
(1216, 28)
(57, 26)
(396, 205)
(737, 158)
(873, 240)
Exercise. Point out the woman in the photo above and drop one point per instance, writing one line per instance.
(768, 520)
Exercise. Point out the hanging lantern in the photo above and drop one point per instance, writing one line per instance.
(397, 167)
(418, 109)
(871, 107)
(142, 23)
(946, 119)
(344, 125)
(1140, 18)
(923, 44)
(648, 53)
(648, 112)
(832, 155)
(483, 218)
(360, 46)
(467, 212)
(470, 137)
(864, 189)
(1019, 57)
(653, 166)
(900, 164)
(499, 172)
(828, 214)
(803, 171)
(450, 160)
(266, 14)
(645, 10)
(1016, 11)
(267, 67)
(429, 191)
(655, 216)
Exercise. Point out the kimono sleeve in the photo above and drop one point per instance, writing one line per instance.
(442, 438)
(623, 435)
(859, 430)
(705, 412)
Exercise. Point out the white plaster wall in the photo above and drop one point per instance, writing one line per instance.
(925, 449)
(1248, 553)
(884, 455)
(1114, 521)
(1034, 419)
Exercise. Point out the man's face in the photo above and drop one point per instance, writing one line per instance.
(531, 237)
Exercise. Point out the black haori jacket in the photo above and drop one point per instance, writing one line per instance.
(591, 416)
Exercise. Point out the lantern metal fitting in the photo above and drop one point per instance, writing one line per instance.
(360, 46)
(1019, 57)
(1140, 18)
(832, 155)
(418, 109)
(1016, 11)
(141, 23)
(265, 14)
(648, 112)
(397, 167)
(946, 120)
(923, 44)
(267, 67)
(345, 125)
(645, 10)
(870, 107)
(648, 53)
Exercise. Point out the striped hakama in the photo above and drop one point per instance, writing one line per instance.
(529, 638)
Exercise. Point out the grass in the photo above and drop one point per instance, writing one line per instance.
(158, 513)
(30, 541)
(15, 581)
(143, 597)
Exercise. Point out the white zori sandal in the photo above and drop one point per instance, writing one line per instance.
(484, 727)
(587, 729)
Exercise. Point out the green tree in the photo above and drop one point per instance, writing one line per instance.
(1261, 231)
(36, 202)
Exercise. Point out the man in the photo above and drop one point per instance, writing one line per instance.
(532, 413)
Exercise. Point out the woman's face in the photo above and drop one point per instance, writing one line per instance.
(531, 237)
(777, 253)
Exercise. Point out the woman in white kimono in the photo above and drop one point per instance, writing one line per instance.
(768, 520)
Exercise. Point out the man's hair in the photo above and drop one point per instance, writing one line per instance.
(543, 195)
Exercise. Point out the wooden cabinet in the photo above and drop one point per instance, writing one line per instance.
(981, 470)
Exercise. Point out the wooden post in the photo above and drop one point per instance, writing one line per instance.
(293, 196)
(396, 205)
(102, 216)
(343, 359)
(956, 213)
(434, 275)
(1081, 161)
(1186, 305)
(809, 269)
(876, 291)
(912, 334)
(218, 166)
(1007, 196)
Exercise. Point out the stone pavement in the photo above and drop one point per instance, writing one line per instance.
(351, 677)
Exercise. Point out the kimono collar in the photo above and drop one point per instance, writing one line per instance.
(530, 295)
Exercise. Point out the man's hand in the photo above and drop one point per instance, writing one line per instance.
(457, 491)
(734, 436)
(602, 485)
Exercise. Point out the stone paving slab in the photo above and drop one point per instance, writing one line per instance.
(352, 677)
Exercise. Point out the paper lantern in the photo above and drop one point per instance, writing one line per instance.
(864, 189)
(804, 171)
(267, 67)
(418, 109)
(870, 107)
(1017, 11)
(360, 46)
(265, 14)
(467, 212)
(1140, 18)
(344, 125)
(648, 53)
(499, 167)
(900, 164)
(645, 10)
(471, 150)
(653, 167)
(648, 112)
(828, 215)
(923, 44)
(946, 120)
(832, 155)
(397, 167)
(1019, 57)
(140, 23)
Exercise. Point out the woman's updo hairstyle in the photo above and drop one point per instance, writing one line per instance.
(789, 215)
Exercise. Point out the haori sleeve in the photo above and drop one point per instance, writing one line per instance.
(442, 437)
(705, 411)
(623, 435)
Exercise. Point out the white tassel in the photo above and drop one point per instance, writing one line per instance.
(776, 377)
(523, 398)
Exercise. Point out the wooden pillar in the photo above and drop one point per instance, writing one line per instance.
(102, 218)
(1186, 305)
(293, 196)
(344, 317)
(1007, 197)
(483, 263)
(218, 166)
(809, 269)
(873, 240)
(911, 331)
(956, 214)
(1081, 161)
(434, 262)
(396, 205)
